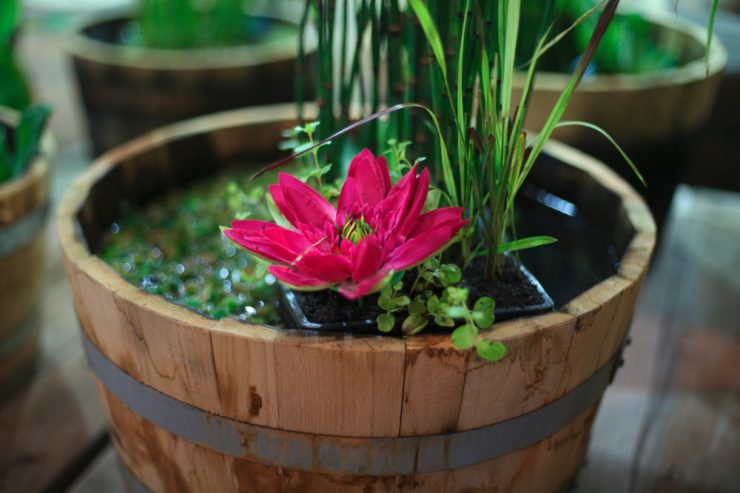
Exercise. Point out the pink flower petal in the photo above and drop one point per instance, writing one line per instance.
(418, 249)
(328, 268)
(301, 204)
(267, 240)
(415, 204)
(292, 277)
(349, 200)
(445, 216)
(371, 175)
(367, 258)
(367, 286)
(398, 197)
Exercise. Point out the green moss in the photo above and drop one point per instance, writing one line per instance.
(174, 248)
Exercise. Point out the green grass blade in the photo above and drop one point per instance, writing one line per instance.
(564, 98)
(564, 32)
(710, 31)
(525, 243)
(611, 140)
(508, 53)
(430, 30)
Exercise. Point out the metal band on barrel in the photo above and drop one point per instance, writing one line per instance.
(344, 455)
(23, 231)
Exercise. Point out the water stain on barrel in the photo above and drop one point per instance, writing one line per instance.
(255, 401)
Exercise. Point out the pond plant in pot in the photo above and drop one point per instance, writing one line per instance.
(24, 182)
(208, 390)
(652, 86)
(176, 59)
(14, 91)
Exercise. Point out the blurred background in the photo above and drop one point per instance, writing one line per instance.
(670, 422)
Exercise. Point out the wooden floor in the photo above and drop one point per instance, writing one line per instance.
(669, 423)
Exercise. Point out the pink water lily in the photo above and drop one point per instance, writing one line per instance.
(374, 231)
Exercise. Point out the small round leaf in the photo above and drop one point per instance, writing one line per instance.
(386, 322)
(463, 337)
(491, 351)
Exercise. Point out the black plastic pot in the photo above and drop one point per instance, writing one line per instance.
(296, 318)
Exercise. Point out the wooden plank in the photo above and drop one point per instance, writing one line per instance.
(694, 444)
(162, 461)
(48, 427)
(352, 385)
(244, 359)
(555, 459)
(523, 381)
(433, 386)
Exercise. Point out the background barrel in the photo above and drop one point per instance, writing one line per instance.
(196, 404)
(127, 90)
(23, 212)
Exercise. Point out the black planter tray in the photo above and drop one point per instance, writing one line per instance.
(297, 319)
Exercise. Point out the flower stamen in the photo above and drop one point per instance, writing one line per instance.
(355, 229)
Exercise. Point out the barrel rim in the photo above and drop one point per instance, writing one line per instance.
(76, 251)
(36, 174)
(691, 72)
(82, 47)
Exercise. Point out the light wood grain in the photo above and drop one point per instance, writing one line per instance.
(433, 386)
(345, 386)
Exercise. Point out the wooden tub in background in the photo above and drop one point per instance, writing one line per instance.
(24, 206)
(653, 116)
(196, 404)
(638, 109)
(127, 91)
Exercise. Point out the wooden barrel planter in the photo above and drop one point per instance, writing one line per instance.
(24, 206)
(196, 404)
(127, 91)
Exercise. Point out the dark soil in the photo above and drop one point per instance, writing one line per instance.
(329, 306)
(509, 290)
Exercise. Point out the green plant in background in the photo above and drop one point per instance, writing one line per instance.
(629, 45)
(176, 24)
(14, 90)
(20, 144)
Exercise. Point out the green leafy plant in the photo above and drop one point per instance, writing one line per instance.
(437, 297)
(193, 24)
(629, 44)
(14, 90)
(19, 144)
(456, 61)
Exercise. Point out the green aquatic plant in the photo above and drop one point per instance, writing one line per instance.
(14, 91)
(20, 143)
(179, 24)
(173, 248)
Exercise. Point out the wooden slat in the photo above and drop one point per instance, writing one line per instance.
(245, 370)
(433, 386)
(525, 379)
(164, 462)
(554, 459)
(344, 386)
(23, 195)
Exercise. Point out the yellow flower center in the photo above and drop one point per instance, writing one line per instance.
(355, 229)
